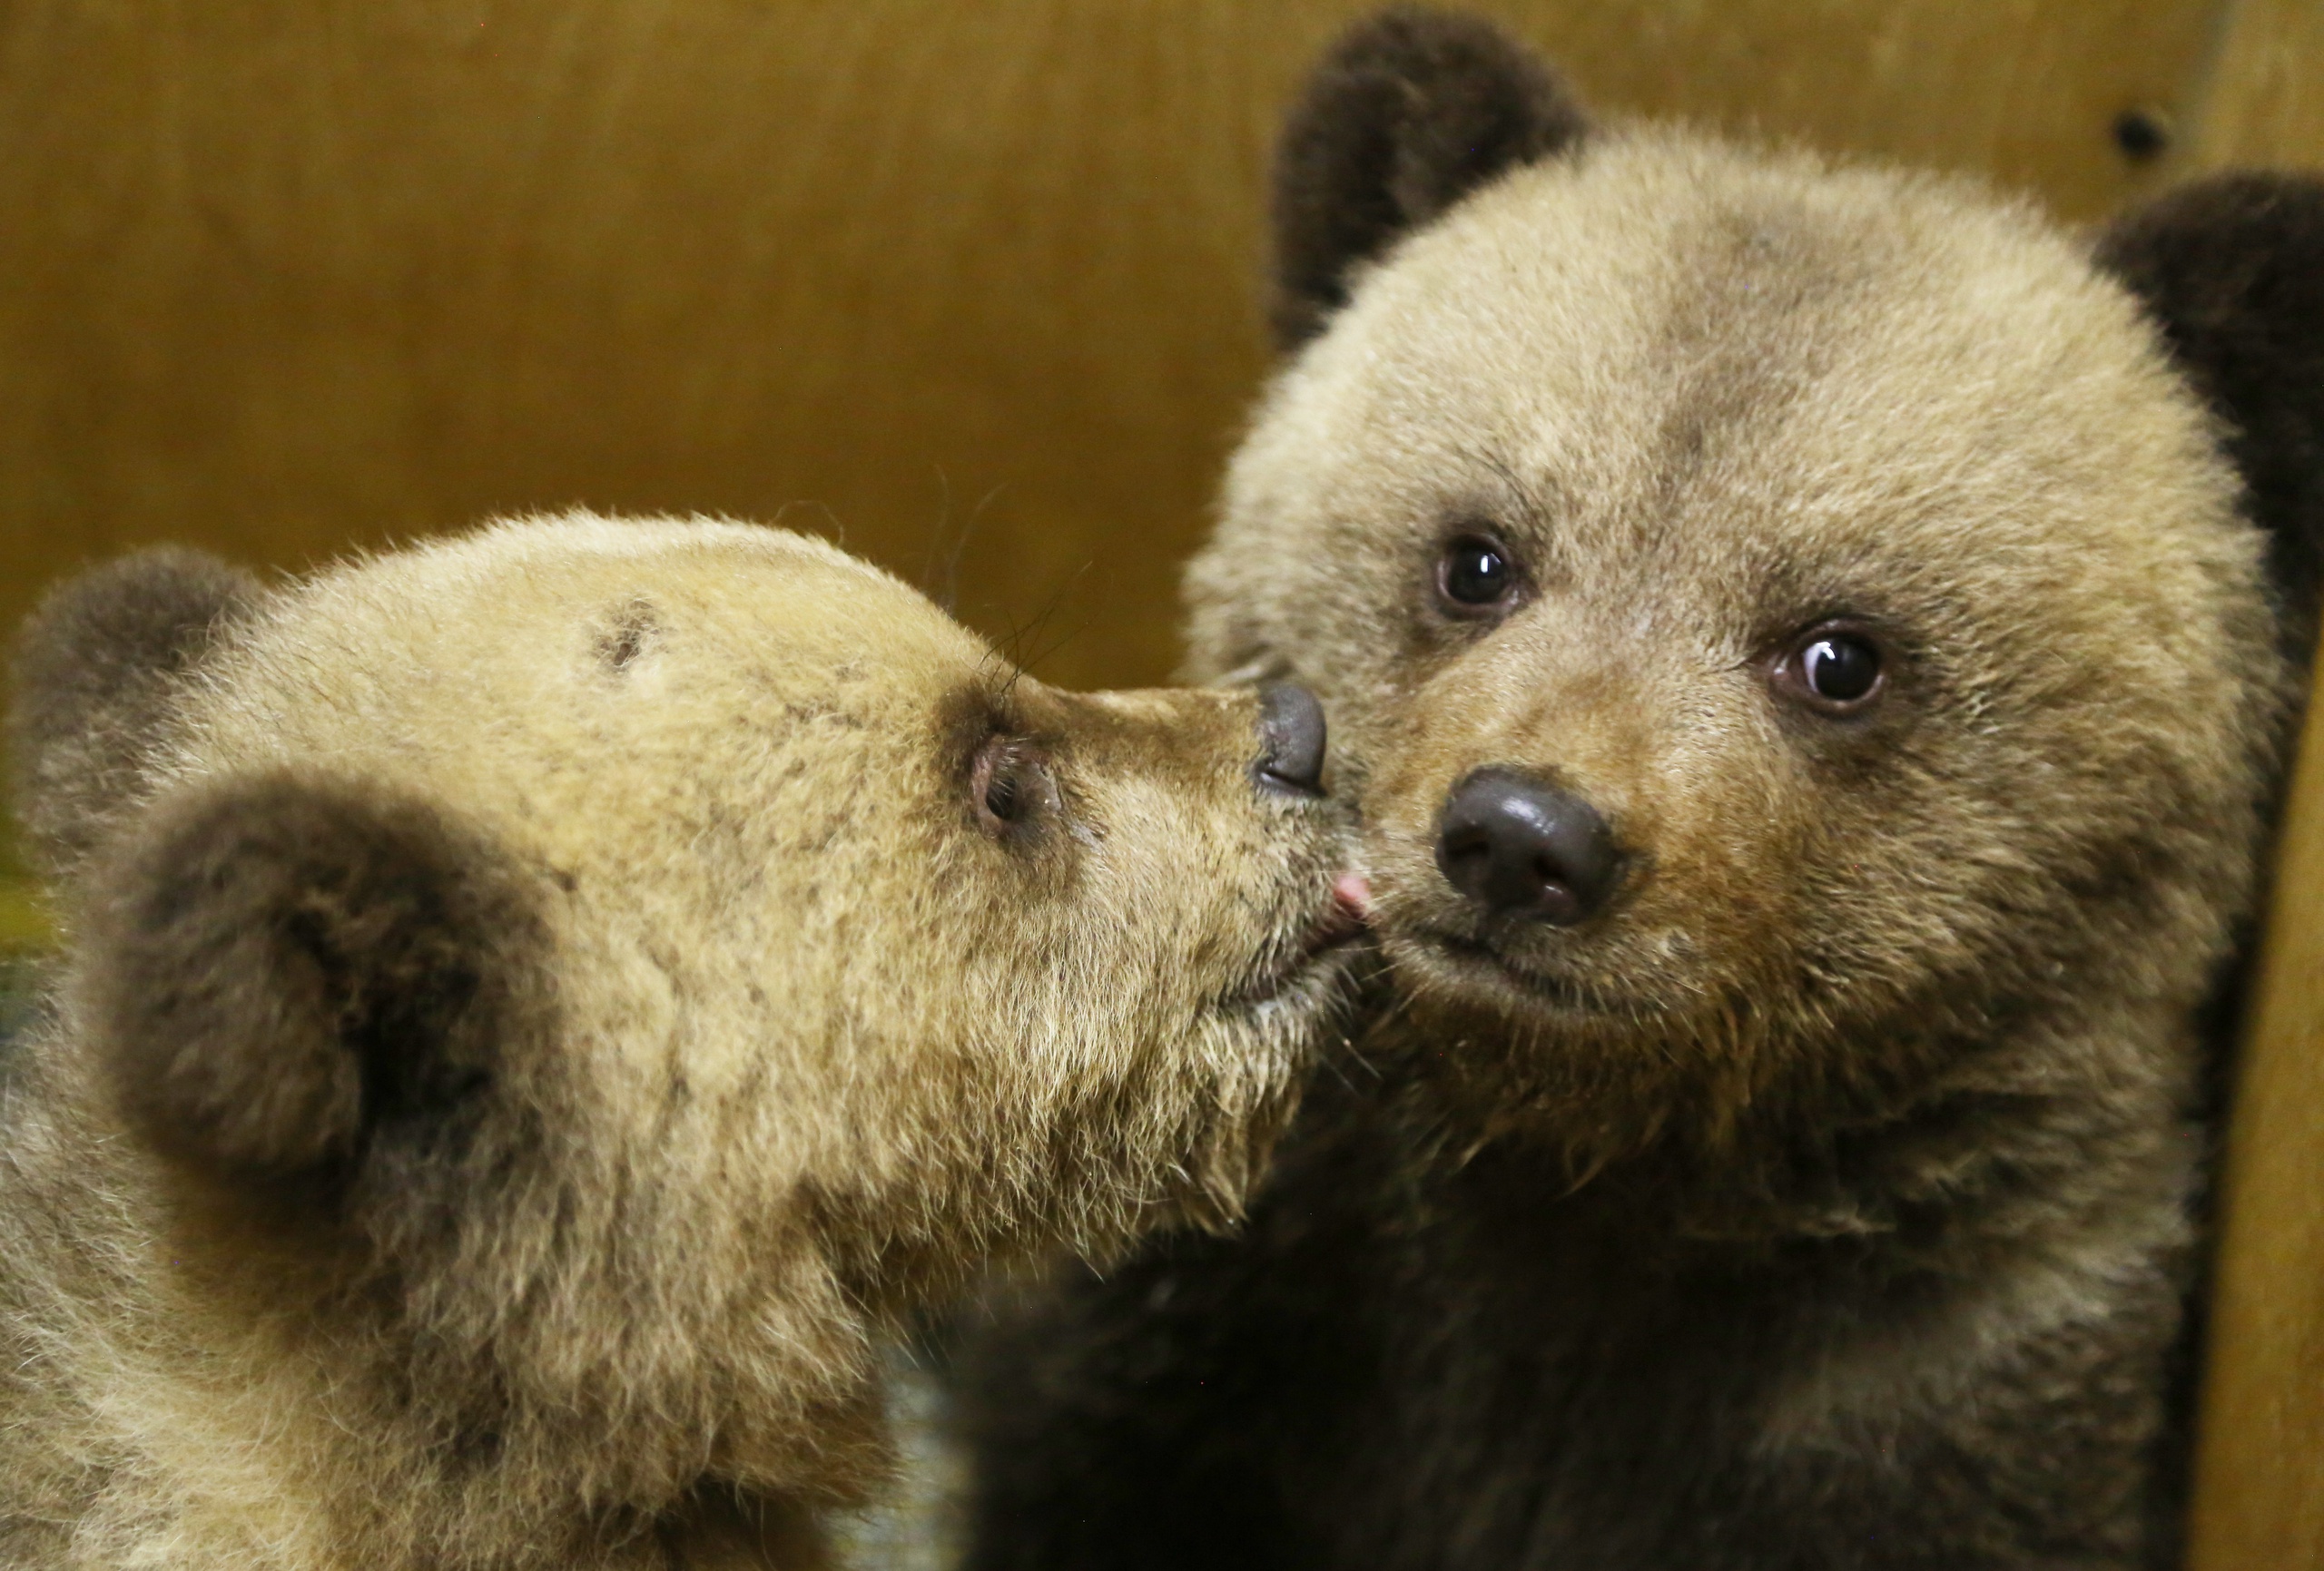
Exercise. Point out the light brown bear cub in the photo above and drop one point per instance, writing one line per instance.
(539, 1006)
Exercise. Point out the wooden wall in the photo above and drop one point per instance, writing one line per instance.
(2260, 1476)
(281, 275)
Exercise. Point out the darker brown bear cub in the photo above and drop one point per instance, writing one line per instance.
(1813, 645)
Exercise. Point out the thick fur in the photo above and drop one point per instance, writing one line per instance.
(2228, 268)
(290, 971)
(95, 671)
(1827, 1200)
(542, 1005)
(1402, 120)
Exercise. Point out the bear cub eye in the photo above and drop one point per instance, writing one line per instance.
(1833, 667)
(1476, 574)
(1010, 786)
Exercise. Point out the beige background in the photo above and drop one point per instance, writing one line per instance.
(277, 276)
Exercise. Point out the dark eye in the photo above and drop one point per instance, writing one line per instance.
(1010, 785)
(1475, 575)
(1838, 670)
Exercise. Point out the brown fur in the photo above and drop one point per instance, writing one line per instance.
(1827, 1198)
(543, 1005)
(1402, 120)
(2228, 269)
(285, 969)
(95, 671)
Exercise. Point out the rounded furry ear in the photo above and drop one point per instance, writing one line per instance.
(1408, 112)
(2232, 270)
(285, 973)
(94, 665)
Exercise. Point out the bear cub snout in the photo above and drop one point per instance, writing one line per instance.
(1524, 850)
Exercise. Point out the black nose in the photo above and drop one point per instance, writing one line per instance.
(1291, 740)
(1524, 850)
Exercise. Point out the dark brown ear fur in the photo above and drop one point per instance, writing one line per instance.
(1408, 112)
(285, 973)
(93, 668)
(2232, 269)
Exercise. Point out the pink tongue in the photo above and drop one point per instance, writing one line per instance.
(1354, 894)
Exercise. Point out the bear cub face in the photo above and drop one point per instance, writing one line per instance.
(1769, 608)
(606, 972)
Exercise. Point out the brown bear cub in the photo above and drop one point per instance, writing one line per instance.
(1812, 646)
(540, 1007)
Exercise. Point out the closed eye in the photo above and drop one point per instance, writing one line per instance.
(1011, 787)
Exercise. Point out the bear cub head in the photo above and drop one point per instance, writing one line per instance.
(592, 976)
(1791, 626)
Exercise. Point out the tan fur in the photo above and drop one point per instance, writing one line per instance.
(782, 1044)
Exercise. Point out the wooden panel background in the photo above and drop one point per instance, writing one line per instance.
(2258, 1503)
(2259, 1474)
(281, 276)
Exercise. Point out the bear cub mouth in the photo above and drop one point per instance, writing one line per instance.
(1311, 965)
(1468, 961)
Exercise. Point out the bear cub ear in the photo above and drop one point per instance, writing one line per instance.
(285, 973)
(93, 669)
(2232, 270)
(1408, 112)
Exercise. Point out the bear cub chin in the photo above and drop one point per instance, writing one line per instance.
(539, 1006)
(1812, 645)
